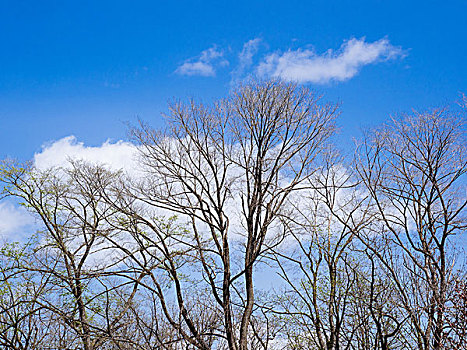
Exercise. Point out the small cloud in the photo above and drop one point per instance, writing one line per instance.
(211, 54)
(250, 48)
(204, 64)
(245, 58)
(305, 66)
(196, 68)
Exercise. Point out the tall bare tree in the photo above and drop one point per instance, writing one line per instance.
(236, 161)
(413, 169)
(333, 298)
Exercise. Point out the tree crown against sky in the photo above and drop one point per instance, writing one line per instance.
(174, 247)
(258, 180)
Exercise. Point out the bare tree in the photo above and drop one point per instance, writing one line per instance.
(237, 161)
(414, 172)
(324, 266)
(70, 263)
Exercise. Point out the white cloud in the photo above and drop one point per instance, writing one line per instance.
(204, 64)
(196, 68)
(118, 155)
(13, 221)
(250, 48)
(245, 58)
(305, 66)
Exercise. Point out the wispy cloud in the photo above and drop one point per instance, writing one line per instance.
(305, 66)
(204, 64)
(245, 58)
(250, 48)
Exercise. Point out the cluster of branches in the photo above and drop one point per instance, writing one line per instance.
(242, 228)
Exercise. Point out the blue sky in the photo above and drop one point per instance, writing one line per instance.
(87, 68)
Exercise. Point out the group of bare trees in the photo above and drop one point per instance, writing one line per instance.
(229, 199)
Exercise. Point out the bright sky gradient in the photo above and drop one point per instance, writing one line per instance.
(88, 68)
